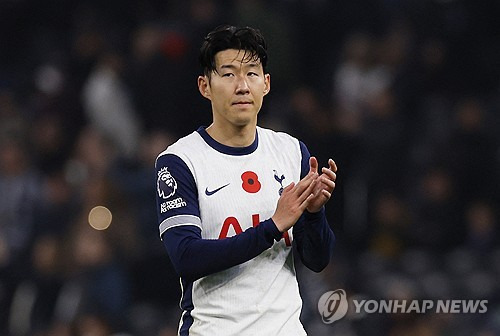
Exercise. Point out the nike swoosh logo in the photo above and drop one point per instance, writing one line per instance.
(211, 192)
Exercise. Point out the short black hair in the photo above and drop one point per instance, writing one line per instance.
(224, 37)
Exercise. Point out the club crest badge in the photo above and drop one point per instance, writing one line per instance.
(166, 184)
(279, 179)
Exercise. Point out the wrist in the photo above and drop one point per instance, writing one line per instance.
(312, 214)
(313, 210)
(278, 225)
(275, 231)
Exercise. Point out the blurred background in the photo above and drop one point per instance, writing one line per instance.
(403, 94)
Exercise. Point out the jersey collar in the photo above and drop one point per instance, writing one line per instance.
(228, 149)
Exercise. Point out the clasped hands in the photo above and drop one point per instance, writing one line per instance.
(310, 193)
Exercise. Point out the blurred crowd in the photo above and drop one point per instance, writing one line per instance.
(404, 95)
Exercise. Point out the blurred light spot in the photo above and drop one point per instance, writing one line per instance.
(100, 217)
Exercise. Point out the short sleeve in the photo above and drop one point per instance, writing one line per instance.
(176, 193)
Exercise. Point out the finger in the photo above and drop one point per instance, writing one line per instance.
(305, 182)
(329, 173)
(307, 192)
(330, 185)
(333, 165)
(303, 206)
(313, 165)
(326, 193)
(288, 187)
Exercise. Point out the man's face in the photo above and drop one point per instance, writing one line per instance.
(236, 90)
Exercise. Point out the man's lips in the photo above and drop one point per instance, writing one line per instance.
(242, 103)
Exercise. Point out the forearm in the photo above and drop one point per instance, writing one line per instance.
(314, 240)
(194, 257)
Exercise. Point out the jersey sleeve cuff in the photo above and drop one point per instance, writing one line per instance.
(312, 216)
(272, 230)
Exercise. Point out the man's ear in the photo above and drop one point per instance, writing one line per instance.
(204, 86)
(267, 81)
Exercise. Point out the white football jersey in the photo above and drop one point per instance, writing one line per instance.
(235, 189)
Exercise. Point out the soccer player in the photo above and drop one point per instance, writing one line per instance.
(233, 198)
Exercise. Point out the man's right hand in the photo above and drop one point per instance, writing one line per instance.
(293, 202)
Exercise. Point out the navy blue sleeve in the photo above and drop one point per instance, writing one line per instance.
(176, 193)
(304, 163)
(312, 234)
(194, 257)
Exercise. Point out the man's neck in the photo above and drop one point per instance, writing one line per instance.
(233, 136)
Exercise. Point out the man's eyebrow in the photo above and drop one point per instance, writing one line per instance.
(232, 66)
(228, 66)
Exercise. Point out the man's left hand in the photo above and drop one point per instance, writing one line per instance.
(325, 184)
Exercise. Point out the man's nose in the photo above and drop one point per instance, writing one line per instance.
(242, 86)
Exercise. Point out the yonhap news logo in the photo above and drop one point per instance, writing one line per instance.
(334, 305)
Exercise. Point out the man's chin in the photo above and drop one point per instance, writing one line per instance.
(244, 120)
